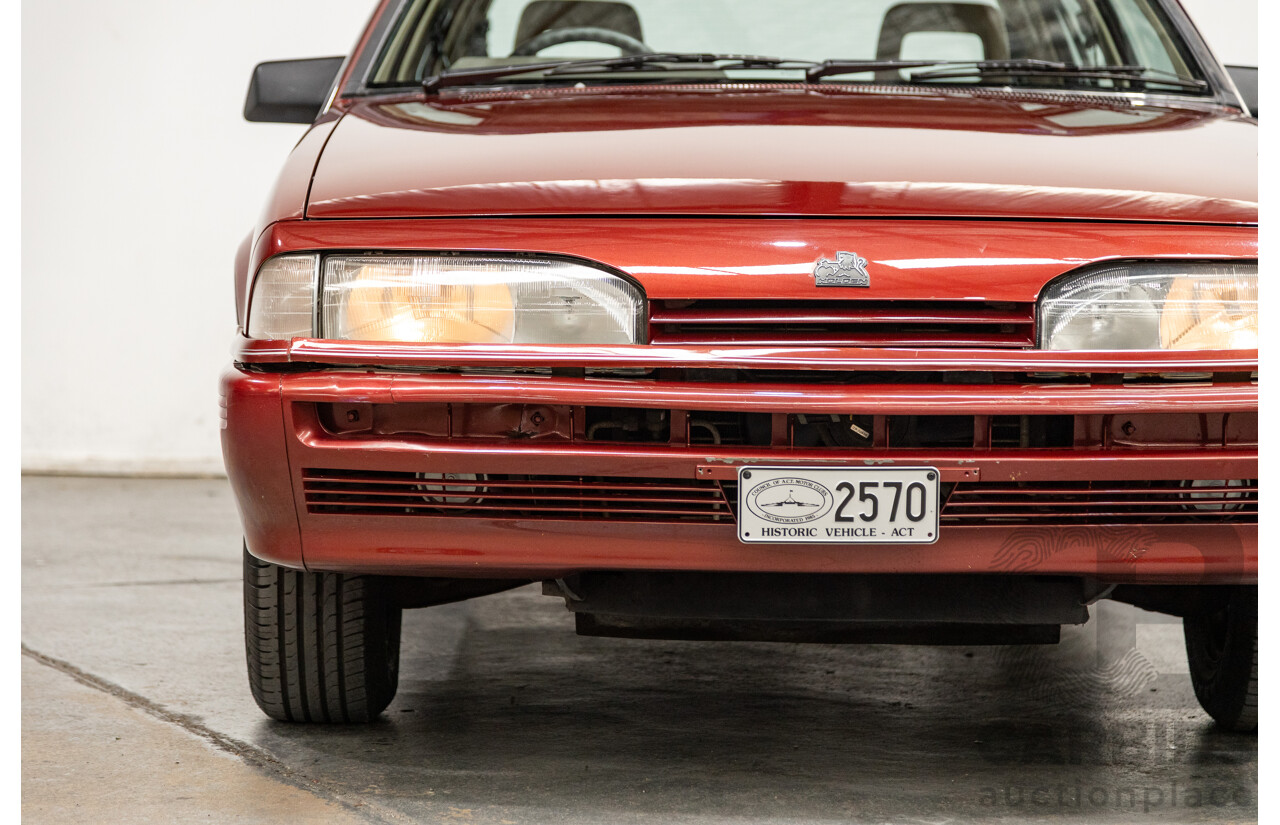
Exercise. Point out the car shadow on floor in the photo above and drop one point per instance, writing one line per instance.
(502, 709)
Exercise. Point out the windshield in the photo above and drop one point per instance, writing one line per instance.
(1081, 44)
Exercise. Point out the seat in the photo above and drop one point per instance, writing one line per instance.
(967, 18)
(545, 15)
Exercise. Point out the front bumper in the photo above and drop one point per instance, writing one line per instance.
(279, 451)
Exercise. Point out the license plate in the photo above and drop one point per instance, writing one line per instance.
(855, 505)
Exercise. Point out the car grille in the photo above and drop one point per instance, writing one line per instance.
(681, 501)
(1185, 502)
(842, 323)
(512, 497)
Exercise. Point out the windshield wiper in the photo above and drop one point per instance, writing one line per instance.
(954, 70)
(1022, 67)
(710, 61)
(635, 62)
(813, 71)
(817, 71)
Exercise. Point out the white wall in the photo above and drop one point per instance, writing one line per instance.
(1230, 26)
(139, 179)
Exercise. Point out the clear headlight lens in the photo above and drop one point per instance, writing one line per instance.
(1153, 306)
(446, 299)
(469, 299)
(284, 298)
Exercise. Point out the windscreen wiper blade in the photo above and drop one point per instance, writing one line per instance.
(954, 70)
(635, 62)
(817, 71)
(813, 71)
(711, 61)
(958, 69)
(467, 77)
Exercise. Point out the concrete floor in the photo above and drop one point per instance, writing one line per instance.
(136, 707)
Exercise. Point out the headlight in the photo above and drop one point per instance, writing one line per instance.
(450, 299)
(1153, 306)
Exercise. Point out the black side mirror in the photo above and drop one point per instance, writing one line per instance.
(1246, 80)
(290, 91)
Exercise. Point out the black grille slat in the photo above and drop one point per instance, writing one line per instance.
(854, 323)
(1109, 502)
(336, 492)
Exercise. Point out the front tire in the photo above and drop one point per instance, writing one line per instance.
(1222, 652)
(321, 647)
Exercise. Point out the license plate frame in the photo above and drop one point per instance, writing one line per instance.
(810, 504)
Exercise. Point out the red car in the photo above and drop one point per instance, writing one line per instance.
(888, 321)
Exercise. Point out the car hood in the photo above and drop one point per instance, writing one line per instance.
(786, 152)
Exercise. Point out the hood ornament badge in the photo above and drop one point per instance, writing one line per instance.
(848, 269)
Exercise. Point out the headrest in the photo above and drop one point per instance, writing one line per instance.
(541, 15)
(970, 18)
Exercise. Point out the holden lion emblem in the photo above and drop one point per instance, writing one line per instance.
(848, 269)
